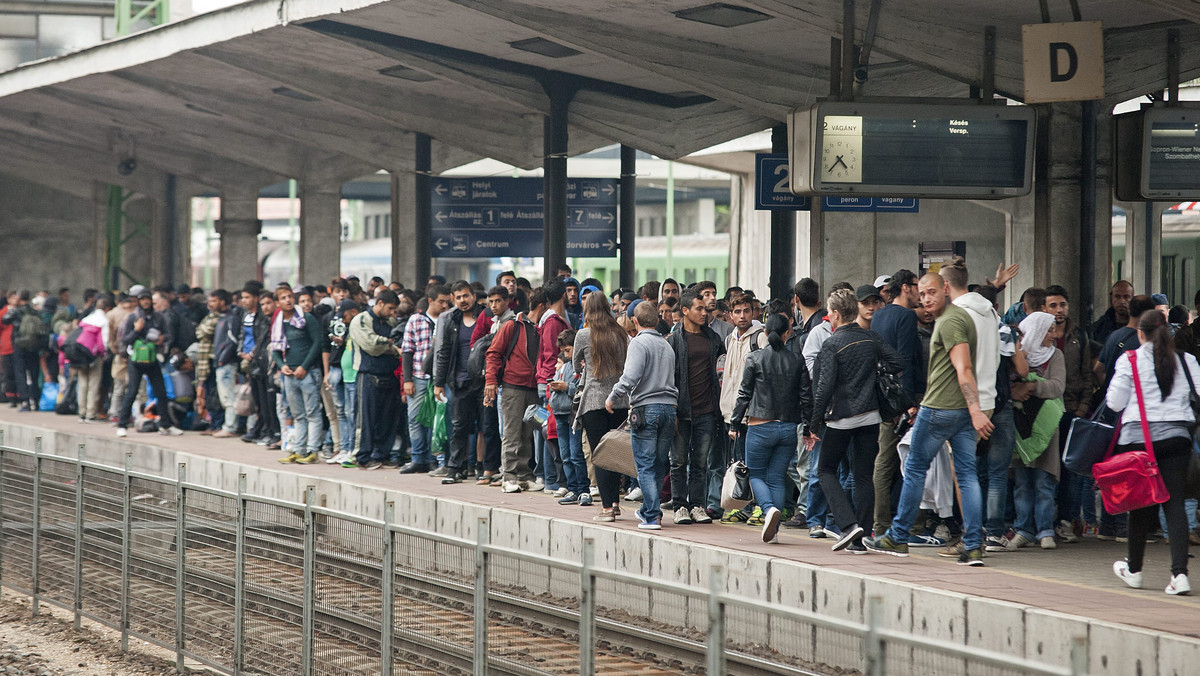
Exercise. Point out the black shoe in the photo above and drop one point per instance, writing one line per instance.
(249, 438)
(390, 464)
(372, 465)
(415, 468)
(799, 520)
(24, 408)
(453, 478)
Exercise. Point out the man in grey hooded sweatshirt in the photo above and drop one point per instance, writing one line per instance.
(649, 382)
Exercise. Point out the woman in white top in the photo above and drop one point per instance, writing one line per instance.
(1165, 394)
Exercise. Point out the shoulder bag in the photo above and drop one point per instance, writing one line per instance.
(615, 451)
(1131, 480)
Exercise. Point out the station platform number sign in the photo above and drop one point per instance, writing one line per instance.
(772, 192)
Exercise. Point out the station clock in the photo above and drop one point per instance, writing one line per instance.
(886, 149)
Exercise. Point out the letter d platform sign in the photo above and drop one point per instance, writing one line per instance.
(1063, 61)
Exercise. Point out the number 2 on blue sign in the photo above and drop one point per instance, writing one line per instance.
(782, 186)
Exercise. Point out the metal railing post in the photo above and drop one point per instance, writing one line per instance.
(483, 538)
(388, 594)
(587, 609)
(716, 621)
(35, 573)
(3, 492)
(180, 566)
(873, 648)
(77, 574)
(310, 546)
(239, 579)
(1079, 655)
(126, 546)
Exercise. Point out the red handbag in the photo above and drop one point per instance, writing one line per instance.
(1131, 480)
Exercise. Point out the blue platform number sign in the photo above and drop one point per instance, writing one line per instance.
(772, 189)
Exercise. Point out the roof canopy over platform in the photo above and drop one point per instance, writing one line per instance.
(326, 91)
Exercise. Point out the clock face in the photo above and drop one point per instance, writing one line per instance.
(841, 159)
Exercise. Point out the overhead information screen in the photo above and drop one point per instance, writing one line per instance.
(918, 150)
(1157, 154)
(1174, 156)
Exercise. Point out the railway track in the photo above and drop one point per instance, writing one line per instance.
(433, 620)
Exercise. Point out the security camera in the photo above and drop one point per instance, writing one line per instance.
(127, 166)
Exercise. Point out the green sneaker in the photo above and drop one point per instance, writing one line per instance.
(734, 516)
(971, 557)
(349, 464)
(885, 545)
(756, 519)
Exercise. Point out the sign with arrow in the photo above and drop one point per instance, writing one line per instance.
(488, 217)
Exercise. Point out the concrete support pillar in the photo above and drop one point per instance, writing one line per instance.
(783, 234)
(1143, 246)
(320, 232)
(841, 247)
(239, 227)
(1057, 245)
(405, 256)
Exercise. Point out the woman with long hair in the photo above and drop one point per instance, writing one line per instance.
(599, 358)
(1169, 417)
(768, 405)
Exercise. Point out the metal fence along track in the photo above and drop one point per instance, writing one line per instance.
(252, 585)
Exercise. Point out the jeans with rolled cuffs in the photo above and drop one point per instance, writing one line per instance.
(652, 444)
(934, 427)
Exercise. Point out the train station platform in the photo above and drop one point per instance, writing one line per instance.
(1029, 603)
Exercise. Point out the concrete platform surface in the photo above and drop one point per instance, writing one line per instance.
(1075, 579)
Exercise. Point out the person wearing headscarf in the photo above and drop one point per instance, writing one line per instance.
(1042, 375)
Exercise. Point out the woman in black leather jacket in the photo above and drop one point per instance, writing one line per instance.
(845, 410)
(772, 401)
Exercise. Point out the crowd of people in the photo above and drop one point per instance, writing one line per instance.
(911, 411)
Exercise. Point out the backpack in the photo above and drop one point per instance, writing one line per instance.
(32, 334)
(76, 353)
(477, 360)
(531, 347)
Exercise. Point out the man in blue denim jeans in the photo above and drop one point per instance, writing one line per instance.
(649, 384)
(950, 412)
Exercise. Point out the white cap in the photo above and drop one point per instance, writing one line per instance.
(136, 290)
(881, 280)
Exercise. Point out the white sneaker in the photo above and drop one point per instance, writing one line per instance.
(1048, 542)
(683, 515)
(1179, 586)
(1121, 569)
(175, 431)
(1018, 542)
(595, 491)
(121, 432)
(634, 495)
(511, 487)
(561, 492)
(537, 485)
(335, 460)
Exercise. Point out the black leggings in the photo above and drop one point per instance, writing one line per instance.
(595, 425)
(1173, 456)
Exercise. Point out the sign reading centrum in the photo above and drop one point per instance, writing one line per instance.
(488, 217)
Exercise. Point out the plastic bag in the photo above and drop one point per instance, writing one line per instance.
(49, 397)
(425, 415)
(441, 437)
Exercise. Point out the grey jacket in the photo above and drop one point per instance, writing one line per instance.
(649, 376)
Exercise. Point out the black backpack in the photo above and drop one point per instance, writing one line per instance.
(477, 361)
(76, 354)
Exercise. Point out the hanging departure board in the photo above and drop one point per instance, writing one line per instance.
(1158, 154)
(912, 150)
